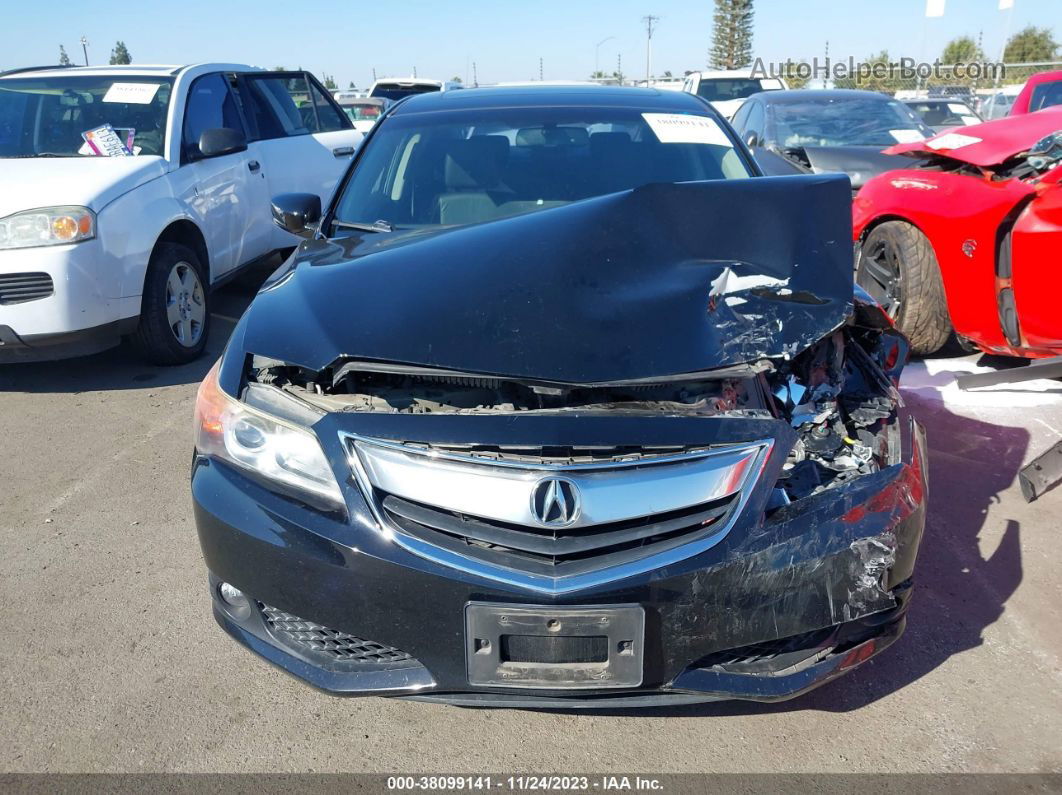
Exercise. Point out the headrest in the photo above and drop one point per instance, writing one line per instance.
(475, 162)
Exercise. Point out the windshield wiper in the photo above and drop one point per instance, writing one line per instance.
(375, 226)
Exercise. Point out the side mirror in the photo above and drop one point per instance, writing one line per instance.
(221, 141)
(752, 140)
(298, 213)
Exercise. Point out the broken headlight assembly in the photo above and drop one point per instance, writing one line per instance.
(289, 459)
(842, 405)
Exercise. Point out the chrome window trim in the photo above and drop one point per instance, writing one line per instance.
(541, 583)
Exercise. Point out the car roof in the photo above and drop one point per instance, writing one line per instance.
(818, 95)
(149, 70)
(646, 99)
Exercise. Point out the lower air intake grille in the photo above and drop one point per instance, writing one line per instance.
(318, 641)
(16, 288)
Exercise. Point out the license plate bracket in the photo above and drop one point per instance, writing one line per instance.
(554, 648)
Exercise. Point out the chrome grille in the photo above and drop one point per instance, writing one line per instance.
(16, 288)
(480, 510)
(555, 552)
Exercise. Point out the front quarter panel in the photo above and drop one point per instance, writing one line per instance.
(961, 216)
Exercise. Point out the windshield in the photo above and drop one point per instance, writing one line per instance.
(1046, 95)
(396, 91)
(846, 122)
(470, 166)
(49, 116)
(722, 89)
(944, 113)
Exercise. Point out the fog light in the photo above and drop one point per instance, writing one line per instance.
(238, 605)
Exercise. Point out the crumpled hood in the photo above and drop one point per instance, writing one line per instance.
(860, 163)
(28, 183)
(990, 143)
(658, 281)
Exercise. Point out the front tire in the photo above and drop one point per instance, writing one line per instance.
(175, 308)
(898, 268)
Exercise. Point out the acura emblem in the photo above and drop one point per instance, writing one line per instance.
(555, 502)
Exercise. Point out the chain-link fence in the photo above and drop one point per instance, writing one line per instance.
(988, 88)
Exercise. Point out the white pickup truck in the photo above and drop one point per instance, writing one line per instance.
(127, 193)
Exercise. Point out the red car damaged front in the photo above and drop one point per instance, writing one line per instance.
(967, 238)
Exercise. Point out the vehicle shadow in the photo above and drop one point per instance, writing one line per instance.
(121, 367)
(958, 590)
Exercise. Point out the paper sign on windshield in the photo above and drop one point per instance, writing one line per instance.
(105, 141)
(133, 93)
(952, 141)
(907, 136)
(680, 128)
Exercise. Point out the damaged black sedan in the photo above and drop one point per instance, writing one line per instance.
(562, 403)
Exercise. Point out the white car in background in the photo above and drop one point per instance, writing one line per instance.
(727, 90)
(396, 88)
(128, 192)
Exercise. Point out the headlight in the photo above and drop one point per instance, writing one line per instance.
(48, 226)
(284, 454)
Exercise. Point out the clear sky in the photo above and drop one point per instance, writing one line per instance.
(505, 39)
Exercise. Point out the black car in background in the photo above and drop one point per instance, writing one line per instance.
(943, 114)
(830, 130)
(543, 413)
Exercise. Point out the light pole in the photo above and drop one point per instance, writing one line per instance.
(649, 22)
(597, 53)
(84, 48)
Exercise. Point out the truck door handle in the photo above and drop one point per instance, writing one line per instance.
(254, 166)
(343, 151)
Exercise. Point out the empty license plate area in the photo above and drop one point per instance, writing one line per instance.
(554, 648)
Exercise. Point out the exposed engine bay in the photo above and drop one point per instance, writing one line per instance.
(836, 394)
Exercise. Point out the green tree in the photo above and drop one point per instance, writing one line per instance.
(352, 85)
(279, 69)
(120, 54)
(963, 50)
(1031, 45)
(883, 81)
(794, 76)
(330, 82)
(598, 75)
(732, 36)
(64, 59)
(456, 79)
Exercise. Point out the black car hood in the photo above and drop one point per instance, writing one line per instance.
(659, 281)
(860, 163)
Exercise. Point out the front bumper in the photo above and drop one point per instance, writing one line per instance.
(785, 603)
(81, 314)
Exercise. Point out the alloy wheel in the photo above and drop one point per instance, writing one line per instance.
(185, 304)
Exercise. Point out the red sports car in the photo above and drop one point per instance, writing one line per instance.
(969, 238)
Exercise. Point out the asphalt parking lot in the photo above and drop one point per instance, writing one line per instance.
(112, 662)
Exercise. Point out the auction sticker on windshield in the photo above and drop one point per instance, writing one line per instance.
(132, 93)
(906, 136)
(681, 128)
